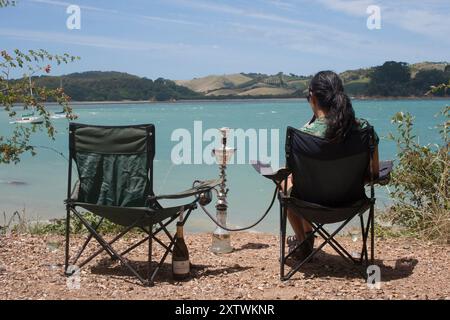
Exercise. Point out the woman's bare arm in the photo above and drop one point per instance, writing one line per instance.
(375, 166)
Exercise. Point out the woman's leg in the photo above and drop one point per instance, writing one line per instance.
(299, 225)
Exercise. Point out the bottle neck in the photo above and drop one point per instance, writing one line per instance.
(179, 231)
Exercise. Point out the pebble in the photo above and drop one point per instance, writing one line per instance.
(226, 277)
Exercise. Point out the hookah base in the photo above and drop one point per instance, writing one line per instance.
(221, 244)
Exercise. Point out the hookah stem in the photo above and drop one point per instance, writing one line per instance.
(246, 228)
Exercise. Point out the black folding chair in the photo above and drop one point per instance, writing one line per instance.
(328, 187)
(115, 171)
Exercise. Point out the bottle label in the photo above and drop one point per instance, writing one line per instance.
(180, 267)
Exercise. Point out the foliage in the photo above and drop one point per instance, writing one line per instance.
(442, 88)
(395, 79)
(427, 78)
(390, 79)
(116, 86)
(387, 232)
(58, 226)
(7, 3)
(18, 223)
(24, 94)
(421, 181)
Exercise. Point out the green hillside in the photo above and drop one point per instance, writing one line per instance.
(116, 86)
(416, 81)
(388, 80)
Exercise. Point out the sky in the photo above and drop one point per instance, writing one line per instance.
(183, 39)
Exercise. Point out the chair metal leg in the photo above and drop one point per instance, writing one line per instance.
(86, 242)
(283, 218)
(312, 254)
(336, 245)
(112, 255)
(149, 276)
(67, 251)
(171, 245)
(372, 234)
(107, 247)
(363, 256)
(137, 244)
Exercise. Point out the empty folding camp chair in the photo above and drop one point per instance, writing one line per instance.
(328, 187)
(115, 171)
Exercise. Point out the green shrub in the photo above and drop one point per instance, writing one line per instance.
(421, 181)
(18, 223)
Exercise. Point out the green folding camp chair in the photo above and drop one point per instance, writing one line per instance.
(115, 182)
(328, 188)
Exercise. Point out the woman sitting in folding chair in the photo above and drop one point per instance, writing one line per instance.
(333, 118)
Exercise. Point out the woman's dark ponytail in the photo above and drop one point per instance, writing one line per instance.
(328, 89)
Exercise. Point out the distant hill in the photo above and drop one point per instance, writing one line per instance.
(247, 85)
(256, 85)
(212, 83)
(423, 66)
(116, 86)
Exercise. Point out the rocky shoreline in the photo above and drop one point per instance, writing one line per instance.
(31, 268)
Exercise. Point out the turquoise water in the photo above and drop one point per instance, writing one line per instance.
(44, 176)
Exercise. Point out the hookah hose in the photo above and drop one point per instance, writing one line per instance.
(203, 208)
(246, 228)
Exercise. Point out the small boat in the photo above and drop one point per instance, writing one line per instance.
(29, 118)
(58, 115)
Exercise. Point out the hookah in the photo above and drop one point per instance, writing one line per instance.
(221, 242)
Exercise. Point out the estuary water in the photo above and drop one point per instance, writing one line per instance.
(37, 184)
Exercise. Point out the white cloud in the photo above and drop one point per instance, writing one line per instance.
(345, 46)
(280, 4)
(66, 4)
(429, 18)
(89, 41)
(168, 20)
(351, 7)
(122, 14)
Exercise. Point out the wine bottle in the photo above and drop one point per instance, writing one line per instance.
(180, 256)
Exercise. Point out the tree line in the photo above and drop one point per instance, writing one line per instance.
(392, 79)
(115, 86)
(395, 79)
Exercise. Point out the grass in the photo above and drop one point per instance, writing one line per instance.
(20, 224)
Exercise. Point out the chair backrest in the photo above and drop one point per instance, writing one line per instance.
(327, 173)
(114, 163)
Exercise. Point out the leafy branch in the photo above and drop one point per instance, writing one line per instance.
(23, 93)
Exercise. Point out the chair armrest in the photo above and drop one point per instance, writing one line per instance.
(196, 190)
(278, 176)
(266, 171)
(384, 175)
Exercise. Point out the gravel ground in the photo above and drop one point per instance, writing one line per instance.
(31, 268)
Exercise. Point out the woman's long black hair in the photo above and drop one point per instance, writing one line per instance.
(328, 89)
